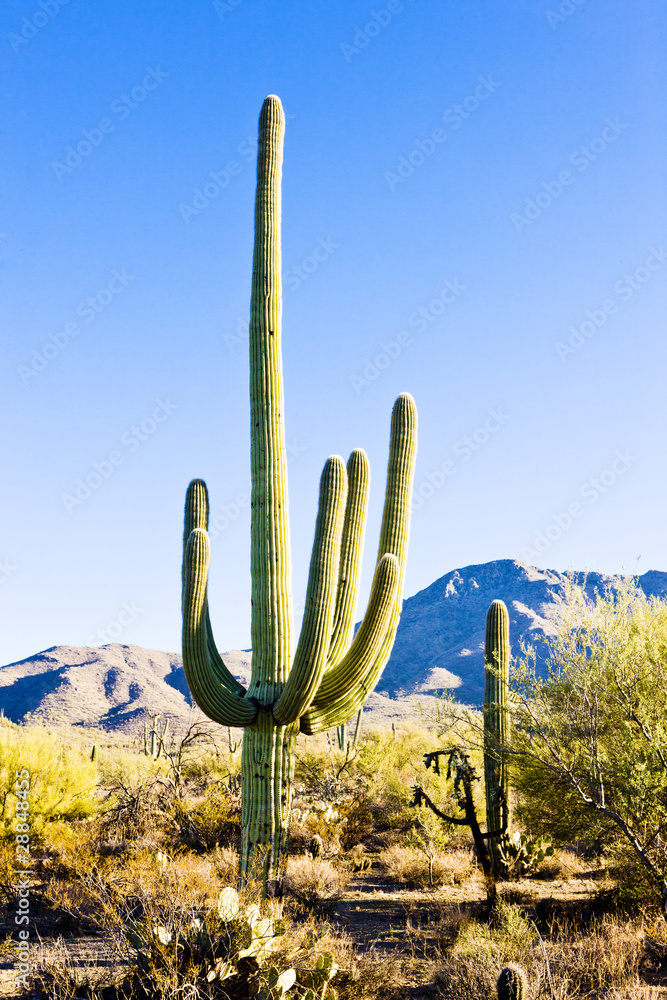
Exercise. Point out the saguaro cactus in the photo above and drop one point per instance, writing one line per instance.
(496, 727)
(329, 676)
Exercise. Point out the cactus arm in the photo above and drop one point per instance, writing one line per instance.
(196, 516)
(358, 478)
(344, 689)
(393, 541)
(311, 651)
(395, 529)
(213, 697)
(271, 616)
(496, 726)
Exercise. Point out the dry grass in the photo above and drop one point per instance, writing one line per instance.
(562, 864)
(226, 863)
(57, 976)
(409, 866)
(465, 979)
(601, 960)
(314, 883)
(608, 954)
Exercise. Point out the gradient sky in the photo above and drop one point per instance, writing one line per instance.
(473, 198)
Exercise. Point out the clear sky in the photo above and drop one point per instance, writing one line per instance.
(473, 211)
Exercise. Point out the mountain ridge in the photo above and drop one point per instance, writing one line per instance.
(439, 646)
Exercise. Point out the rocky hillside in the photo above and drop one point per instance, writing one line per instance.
(439, 645)
(440, 640)
(113, 687)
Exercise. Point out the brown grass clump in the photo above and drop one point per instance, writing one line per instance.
(465, 979)
(58, 976)
(608, 954)
(372, 975)
(409, 866)
(562, 864)
(226, 863)
(358, 859)
(314, 883)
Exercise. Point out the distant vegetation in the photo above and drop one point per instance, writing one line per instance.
(139, 848)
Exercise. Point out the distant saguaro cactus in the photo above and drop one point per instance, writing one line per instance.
(155, 742)
(496, 728)
(329, 676)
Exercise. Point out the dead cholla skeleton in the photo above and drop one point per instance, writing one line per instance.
(329, 676)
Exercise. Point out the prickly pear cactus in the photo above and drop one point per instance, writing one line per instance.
(521, 855)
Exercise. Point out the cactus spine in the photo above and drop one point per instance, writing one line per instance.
(512, 983)
(496, 727)
(330, 674)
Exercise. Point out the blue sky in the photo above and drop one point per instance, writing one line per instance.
(473, 211)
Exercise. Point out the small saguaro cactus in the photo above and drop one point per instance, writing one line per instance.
(513, 983)
(326, 679)
(155, 742)
(341, 732)
(496, 729)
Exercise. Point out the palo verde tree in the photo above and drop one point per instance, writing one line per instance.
(327, 678)
(589, 739)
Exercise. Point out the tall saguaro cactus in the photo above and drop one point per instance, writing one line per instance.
(327, 678)
(496, 727)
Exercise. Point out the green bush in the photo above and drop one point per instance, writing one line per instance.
(589, 740)
(60, 775)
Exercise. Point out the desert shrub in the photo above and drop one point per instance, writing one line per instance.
(226, 864)
(177, 933)
(62, 777)
(409, 866)
(140, 811)
(358, 859)
(369, 786)
(214, 819)
(509, 937)
(58, 976)
(562, 864)
(371, 975)
(314, 883)
(466, 978)
(320, 819)
(587, 739)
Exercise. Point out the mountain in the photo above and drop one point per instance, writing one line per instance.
(440, 640)
(113, 687)
(439, 645)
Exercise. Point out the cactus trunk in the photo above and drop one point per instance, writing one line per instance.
(330, 674)
(496, 729)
